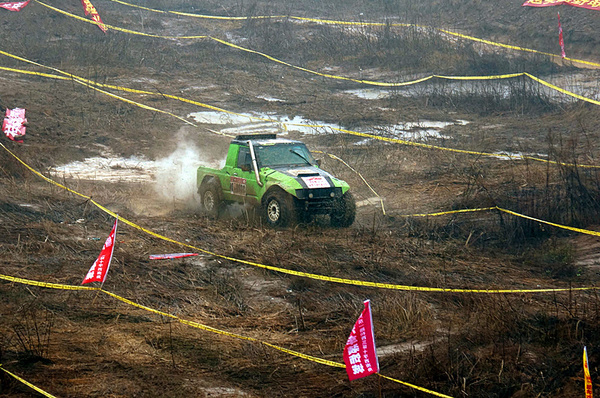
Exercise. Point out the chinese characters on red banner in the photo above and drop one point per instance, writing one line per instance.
(99, 269)
(589, 4)
(360, 355)
(89, 9)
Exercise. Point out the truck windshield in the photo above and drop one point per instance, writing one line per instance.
(292, 154)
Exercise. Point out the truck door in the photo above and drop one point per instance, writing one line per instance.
(242, 181)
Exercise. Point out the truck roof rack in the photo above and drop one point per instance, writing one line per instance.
(260, 136)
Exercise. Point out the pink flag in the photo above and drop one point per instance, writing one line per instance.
(171, 256)
(14, 124)
(14, 5)
(100, 267)
(360, 355)
(560, 38)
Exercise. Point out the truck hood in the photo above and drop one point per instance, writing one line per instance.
(304, 177)
(302, 171)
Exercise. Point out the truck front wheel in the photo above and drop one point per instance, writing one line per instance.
(278, 209)
(344, 211)
(210, 196)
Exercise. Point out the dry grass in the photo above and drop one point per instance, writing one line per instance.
(73, 344)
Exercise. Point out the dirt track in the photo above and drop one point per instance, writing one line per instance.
(73, 343)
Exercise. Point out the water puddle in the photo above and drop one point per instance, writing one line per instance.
(518, 155)
(370, 93)
(412, 131)
(133, 169)
(269, 99)
(255, 122)
(272, 123)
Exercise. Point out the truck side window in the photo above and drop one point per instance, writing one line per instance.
(244, 160)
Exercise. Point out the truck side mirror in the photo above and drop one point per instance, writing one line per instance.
(319, 163)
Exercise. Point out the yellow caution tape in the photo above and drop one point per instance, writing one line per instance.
(437, 394)
(46, 284)
(318, 276)
(116, 27)
(28, 384)
(444, 213)
(327, 75)
(84, 81)
(187, 14)
(197, 326)
(360, 23)
(562, 90)
(580, 230)
(330, 76)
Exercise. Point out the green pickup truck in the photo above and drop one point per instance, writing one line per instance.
(280, 178)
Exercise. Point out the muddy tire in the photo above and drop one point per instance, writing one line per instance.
(211, 199)
(279, 210)
(344, 211)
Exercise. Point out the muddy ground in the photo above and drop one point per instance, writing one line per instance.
(140, 164)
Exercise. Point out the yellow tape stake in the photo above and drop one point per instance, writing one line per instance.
(197, 326)
(311, 275)
(28, 384)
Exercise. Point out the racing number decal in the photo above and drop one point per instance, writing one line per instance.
(238, 186)
(315, 182)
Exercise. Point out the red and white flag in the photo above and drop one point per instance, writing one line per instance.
(171, 256)
(89, 9)
(560, 39)
(14, 124)
(589, 4)
(99, 269)
(589, 393)
(360, 355)
(14, 5)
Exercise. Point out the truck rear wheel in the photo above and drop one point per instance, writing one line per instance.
(279, 210)
(344, 211)
(210, 197)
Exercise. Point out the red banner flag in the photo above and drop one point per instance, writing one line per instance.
(589, 4)
(14, 124)
(586, 374)
(89, 9)
(14, 5)
(99, 269)
(360, 355)
(560, 39)
(171, 256)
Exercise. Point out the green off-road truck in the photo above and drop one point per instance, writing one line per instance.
(280, 178)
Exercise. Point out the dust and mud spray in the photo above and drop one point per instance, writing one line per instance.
(175, 176)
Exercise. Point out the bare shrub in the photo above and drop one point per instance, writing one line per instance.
(32, 329)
